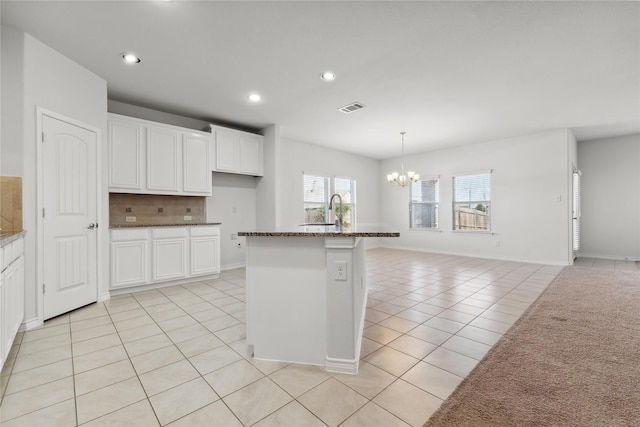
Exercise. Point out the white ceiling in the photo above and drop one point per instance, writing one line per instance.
(448, 73)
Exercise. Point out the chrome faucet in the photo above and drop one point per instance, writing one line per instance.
(338, 215)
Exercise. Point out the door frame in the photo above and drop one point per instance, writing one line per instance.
(40, 113)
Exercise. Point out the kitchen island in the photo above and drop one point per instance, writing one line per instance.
(306, 294)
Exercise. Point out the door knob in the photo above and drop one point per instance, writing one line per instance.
(91, 226)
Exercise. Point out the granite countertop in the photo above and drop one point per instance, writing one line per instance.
(192, 224)
(322, 230)
(10, 236)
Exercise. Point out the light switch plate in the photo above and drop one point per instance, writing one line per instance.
(130, 219)
(187, 217)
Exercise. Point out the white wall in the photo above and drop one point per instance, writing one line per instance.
(155, 115)
(610, 197)
(53, 82)
(233, 203)
(298, 158)
(529, 199)
(12, 84)
(268, 187)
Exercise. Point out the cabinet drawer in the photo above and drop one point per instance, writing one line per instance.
(213, 230)
(124, 235)
(168, 232)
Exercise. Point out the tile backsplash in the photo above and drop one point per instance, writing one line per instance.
(10, 203)
(151, 209)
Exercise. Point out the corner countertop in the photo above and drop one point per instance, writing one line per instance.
(322, 230)
(10, 236)
(193, 224)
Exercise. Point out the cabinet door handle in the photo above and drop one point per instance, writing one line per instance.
(91, 226)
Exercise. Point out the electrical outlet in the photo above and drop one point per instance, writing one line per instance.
(187, 218)
(340, 272)
(130, 219)
(234, 236)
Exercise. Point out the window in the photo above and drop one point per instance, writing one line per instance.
(472, 202)
(317, 194)
(423, 209)
(316, 198)
(346, 188)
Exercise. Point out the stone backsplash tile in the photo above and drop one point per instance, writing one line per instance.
(151, 209)
(11, 203)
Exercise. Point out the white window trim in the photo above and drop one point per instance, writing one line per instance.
(438, 203)
(331, 191)
(489, 172)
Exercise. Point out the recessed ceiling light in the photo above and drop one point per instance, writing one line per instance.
(328, 76)
(254, 97)
(130, 58)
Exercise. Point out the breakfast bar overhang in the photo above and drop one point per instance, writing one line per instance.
(306, 294)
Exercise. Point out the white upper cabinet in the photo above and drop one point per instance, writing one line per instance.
(195, 160)
(163, 159)
(251, 154)
(126, 141)
(236, 152)
(153, 158)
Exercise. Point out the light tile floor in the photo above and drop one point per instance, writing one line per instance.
(177, 355)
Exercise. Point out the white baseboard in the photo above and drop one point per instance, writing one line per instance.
(610, 257)
(30, 324)
(150, 286)
(233, 266)
(342, 366)
(476, 255)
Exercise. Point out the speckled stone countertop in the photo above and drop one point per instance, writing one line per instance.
(193, 224)
(322, 230)
(10, 236)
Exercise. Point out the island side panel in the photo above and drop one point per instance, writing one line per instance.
(346, 301)
(286, 294)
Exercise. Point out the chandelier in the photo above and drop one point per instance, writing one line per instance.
(400, 178)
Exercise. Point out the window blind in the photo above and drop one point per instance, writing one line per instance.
(472, 202)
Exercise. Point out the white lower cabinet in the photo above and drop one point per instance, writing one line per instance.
(129, 260)
(205, 248)
(169, 253)
(11, 296)
(149, 255)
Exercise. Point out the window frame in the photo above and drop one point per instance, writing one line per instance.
(485, 202)
(330, 190)
(435, 203)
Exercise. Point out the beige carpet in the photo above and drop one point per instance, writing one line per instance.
(573, 359)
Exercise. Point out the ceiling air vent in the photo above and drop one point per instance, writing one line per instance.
(354, 106)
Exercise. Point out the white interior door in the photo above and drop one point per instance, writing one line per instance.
(69, 165)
